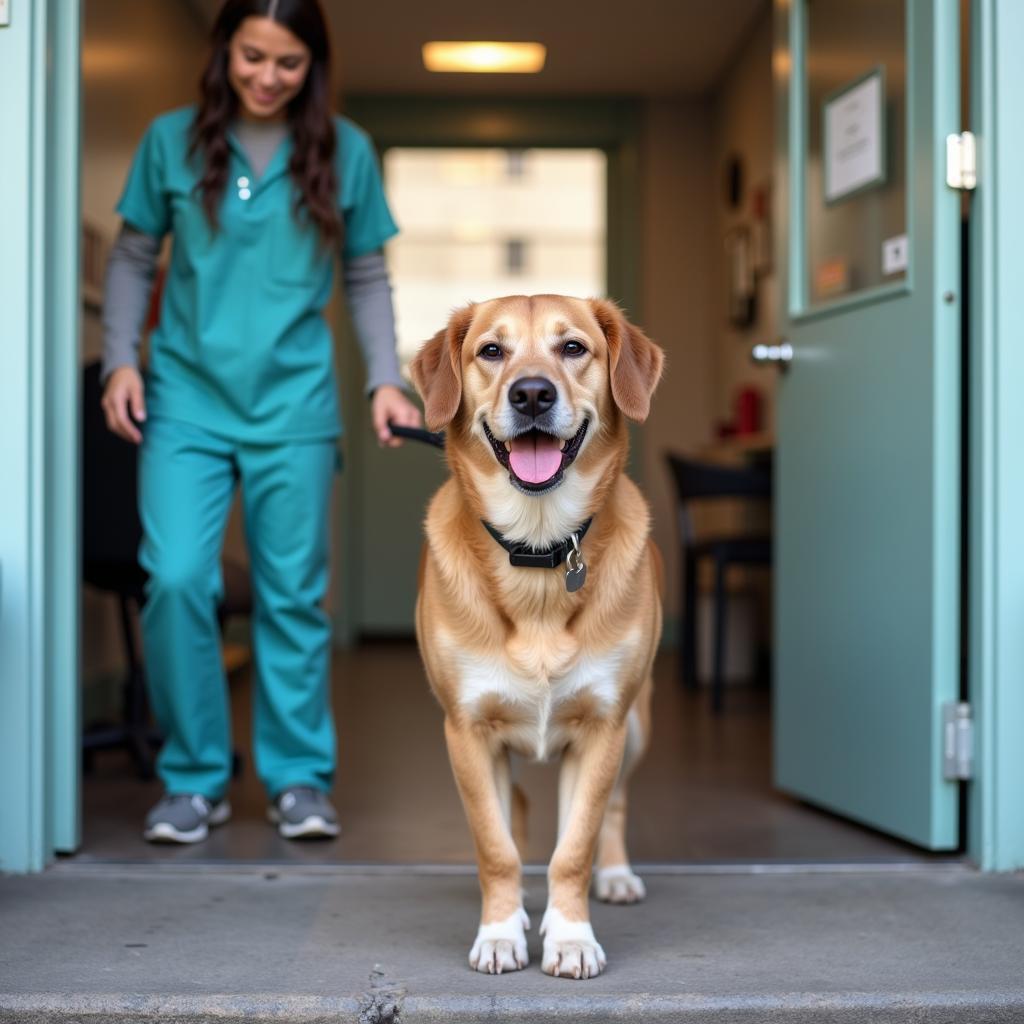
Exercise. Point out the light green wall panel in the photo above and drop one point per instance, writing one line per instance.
(22, 842)
(39, 55)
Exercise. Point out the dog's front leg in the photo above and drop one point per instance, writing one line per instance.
(501, 939)
(570, 948)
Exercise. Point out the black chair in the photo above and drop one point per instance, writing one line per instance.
(696, 481)
(111, 533)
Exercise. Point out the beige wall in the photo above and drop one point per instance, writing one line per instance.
(677, 279)
(742, 123)
(685, 219)
(138, 59)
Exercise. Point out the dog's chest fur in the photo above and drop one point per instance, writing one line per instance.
(536, 692)
(524, 660)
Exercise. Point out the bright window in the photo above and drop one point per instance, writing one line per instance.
(480, 223)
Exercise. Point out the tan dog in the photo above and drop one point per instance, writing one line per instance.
(534, 393)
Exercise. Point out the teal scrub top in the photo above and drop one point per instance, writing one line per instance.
(242, 348)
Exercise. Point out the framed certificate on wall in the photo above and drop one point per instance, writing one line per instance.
(854, 134)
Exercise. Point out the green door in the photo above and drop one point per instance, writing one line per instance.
(868, 456)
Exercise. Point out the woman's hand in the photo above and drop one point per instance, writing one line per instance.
(122, 396)
(390, 404)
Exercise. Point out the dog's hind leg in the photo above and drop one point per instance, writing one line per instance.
(520, 807)
(568, 774)
(517, 824)
(614, 880)
(514, 804)
(503, 784)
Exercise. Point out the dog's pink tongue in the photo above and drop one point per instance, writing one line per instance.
(535, 457)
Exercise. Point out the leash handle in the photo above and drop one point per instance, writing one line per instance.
(418, 434)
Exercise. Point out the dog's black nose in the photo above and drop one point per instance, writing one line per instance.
(532, 396)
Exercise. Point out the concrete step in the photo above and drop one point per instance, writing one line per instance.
(141, 944)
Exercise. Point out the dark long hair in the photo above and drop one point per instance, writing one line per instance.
(309, 113)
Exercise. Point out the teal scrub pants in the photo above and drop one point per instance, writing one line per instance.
(187, 479)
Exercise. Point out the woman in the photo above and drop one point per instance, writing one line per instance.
(259, 185)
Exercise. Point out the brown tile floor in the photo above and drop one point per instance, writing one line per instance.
(703, 793)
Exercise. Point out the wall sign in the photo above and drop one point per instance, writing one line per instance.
(854, 133)
(895, 255)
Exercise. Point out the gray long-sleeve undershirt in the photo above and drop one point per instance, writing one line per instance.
(132, 267)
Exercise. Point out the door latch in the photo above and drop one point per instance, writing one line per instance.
(957, 741)
(961, 161)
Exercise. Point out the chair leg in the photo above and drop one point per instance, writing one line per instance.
(688, 651)
(721, 607)
(139, 735)
(142, 754)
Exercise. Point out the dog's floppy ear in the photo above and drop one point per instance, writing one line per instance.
(635, 361)
(437, 370)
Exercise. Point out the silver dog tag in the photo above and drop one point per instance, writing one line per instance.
(576, 574)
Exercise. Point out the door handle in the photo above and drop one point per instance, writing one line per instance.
(779, 354)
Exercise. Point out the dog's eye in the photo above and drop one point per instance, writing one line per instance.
(573, 348)
(490, 351)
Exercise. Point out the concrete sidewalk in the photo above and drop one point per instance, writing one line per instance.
(135, 944)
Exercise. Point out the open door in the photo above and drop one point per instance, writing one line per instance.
(868, 473)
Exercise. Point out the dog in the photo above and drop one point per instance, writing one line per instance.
(539, 608)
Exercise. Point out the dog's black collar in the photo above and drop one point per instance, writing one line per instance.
(548, 558)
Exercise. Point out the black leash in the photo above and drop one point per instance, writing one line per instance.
(418, 434)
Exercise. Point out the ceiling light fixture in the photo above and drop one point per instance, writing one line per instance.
(507, 58)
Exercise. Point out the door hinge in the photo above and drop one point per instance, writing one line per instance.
(961, 161)
(957, 741)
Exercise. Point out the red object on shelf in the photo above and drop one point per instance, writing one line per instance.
(748, 411)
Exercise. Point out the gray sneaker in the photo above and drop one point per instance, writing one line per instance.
(184, 818)
(302, 812)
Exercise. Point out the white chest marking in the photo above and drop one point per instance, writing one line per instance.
(535, 700)
(597, 675)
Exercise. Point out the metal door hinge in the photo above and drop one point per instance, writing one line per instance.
(961, 161)
(957, 741)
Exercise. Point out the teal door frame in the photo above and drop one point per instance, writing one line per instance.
(39, 577)
(996, 511)
(608, 124)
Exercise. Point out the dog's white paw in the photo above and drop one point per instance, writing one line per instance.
(618, 884)
(570, 949)
(501, 946)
